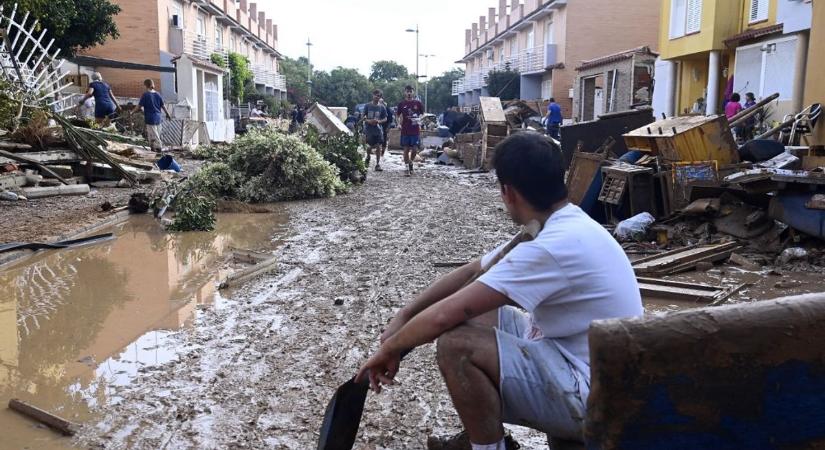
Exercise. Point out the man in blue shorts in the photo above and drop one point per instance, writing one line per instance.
(375, 115)
(409, 115)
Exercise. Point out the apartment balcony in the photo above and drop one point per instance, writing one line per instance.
(269, 78)
(183, 41)
(527, 62)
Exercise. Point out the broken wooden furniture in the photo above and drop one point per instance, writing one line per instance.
(627, 190)
(687, 139)
(683, 259)
(325, 121)
(745, 376)
(494, 129)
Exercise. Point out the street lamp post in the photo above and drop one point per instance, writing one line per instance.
(427, 81)
(410, 30)
(309, 71)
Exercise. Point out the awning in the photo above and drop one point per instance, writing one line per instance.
(754, 33)
(627, 54)
(91, 61)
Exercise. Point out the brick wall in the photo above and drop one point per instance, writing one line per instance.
(598, 28)
(138, 41)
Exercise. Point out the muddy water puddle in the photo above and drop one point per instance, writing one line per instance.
(76, 323)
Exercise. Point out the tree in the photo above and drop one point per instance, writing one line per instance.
(388, 71)
(440, 90)
(393, 90)
(241, 75)
(74, 24)
(295, 72)
(341, 87)
(505, 84)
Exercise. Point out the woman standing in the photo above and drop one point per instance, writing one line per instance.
(105, 102)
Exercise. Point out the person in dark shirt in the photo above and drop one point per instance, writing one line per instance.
(386, 126)
(375, 115)
(105, 102)
(409, 115)
(152, 104)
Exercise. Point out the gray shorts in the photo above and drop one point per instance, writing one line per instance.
(540, 388)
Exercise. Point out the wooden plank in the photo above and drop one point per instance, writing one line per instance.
(55, 422)
(491, 110)
(683, 259)
(48, 157)
(20, 158)
(584, 168)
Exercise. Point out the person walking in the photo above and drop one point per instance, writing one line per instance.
(375, 116)
(749, 127)
(409, 116)
(105, 101)
(553, 119)
(152, 104)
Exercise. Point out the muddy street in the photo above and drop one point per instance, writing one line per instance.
(259, 371)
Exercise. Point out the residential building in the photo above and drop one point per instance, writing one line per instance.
(612, 83)
(182, 44)
(713, 48)
(815, 67)
(545, 40)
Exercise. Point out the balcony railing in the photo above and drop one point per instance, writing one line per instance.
(269, 78)
(527, 61)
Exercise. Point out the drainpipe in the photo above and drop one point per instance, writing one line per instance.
(670, 97)
(714, 72)
(800, 63)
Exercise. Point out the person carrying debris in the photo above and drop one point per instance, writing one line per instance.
(152, 104)
(512, 346)
(375, 116)
(553, 119)
(105, 101)
(408, 115)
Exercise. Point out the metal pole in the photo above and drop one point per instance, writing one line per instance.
(309, 71)
(416, 59)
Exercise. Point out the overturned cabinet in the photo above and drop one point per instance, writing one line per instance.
(627, 190)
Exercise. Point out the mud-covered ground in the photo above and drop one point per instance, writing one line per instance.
(259, 371)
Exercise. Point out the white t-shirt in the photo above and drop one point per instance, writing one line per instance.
(573, 273)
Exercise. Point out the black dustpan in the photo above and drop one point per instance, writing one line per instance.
(343, 416)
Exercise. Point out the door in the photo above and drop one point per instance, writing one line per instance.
(598, 103)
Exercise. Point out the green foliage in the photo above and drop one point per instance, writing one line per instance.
(217, 59)
(241, 75)
(278, 167)
(8, 107)
(388, 71)
(74, 24)
(214, 152)
(440, 91)
(505, 84)
(215, 180)
(393, 90)
(340, 150)
(193, 212)
(274, 105)
(295, 71)
(341, 87)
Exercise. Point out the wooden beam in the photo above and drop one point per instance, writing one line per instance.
(54, 422)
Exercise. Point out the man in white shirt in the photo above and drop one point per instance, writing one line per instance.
(512, 346)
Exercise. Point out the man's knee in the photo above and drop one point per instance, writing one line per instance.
(454, 345)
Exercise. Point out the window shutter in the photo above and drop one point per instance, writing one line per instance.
(678, 11)
(759, 10)
(694, 16)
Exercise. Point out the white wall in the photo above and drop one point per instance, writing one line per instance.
(795, 15)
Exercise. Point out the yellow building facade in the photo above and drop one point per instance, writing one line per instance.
(713, 48)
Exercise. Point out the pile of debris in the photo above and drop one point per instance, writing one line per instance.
(686, 194)
(48, 155)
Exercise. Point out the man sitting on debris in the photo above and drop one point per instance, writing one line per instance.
(512, 345)
(152, 104)
(375, 115)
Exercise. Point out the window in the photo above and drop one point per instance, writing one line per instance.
(685, 17)
(233, 44)
(531, 39)
(201, 27)
(549, 33)
(547, 89)
(513, 47)
(176, 14)
(218, 36)
(759, 10)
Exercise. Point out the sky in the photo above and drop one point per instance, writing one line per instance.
(355, 33)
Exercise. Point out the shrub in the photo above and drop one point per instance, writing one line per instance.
(279, 167)
(193, 212)
(216, 180)
(342, 151)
